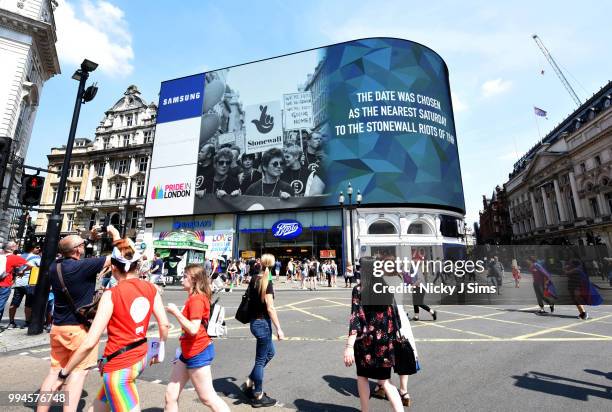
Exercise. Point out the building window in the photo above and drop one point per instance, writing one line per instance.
(134, 220)
(92, 220)
(597, 161)
(69, 221)
(129, 119)
(140, 188)
(54, 194)
(66, 194)
(126, 140)
(583, 167)
(97, 192)
(148, 136)
(142, 164)
(106, 142)
(121, 166)
(100, 168)
(77, 170)
(382, 227)
(609, 201)
(76, 194)
(118, 190)
(594, 206)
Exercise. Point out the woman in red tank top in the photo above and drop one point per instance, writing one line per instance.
(197, 349)
(124, 311)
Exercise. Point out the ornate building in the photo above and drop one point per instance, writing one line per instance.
(495, 226)
(108, 175)
(28, 58)
(561, 191)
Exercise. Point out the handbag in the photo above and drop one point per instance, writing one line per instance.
(243, 314)
(86, 313)
(406, 361)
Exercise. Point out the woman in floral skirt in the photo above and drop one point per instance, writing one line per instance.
(372, 332)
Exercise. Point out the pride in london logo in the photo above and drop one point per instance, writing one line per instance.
(157, 192)
(171, 191)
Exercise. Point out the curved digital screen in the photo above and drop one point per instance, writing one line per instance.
(293, 131)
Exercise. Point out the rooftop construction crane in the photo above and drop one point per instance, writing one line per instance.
(557, 70)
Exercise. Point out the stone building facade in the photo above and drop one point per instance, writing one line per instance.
(107, 178)
(494, 219)
(560, 192)
(28, 58)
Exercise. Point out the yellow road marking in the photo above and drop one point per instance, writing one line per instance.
(336, 303)
(489, 317)
(309, 313)
(465, 331)
(549, 330)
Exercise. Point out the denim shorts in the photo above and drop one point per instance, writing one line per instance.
(203, 358)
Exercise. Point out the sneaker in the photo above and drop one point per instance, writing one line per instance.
(552, 308)
(12, 325)
(583, 316)
(264, 401)
(541, 311)
(434, 315)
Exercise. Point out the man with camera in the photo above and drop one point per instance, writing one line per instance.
(68, 330)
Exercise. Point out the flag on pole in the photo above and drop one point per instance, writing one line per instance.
(539, 112)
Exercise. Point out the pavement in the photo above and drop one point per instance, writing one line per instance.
(151, 394)
(474, 357)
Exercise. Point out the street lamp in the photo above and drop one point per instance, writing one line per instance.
(350, 207)
(54, 223)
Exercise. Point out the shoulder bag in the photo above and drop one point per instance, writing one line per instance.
(84, 314)
(243, 314)
(406, 360)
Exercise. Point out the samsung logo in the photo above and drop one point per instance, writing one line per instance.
(180, 99)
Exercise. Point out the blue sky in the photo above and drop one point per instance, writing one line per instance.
(495, 67)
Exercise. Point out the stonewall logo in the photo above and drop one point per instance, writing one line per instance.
(171, 191)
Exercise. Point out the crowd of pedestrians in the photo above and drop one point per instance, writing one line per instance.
(380, 338)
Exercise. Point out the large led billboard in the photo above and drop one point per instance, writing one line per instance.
(291, 132)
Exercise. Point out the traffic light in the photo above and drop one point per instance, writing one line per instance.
(31, 189)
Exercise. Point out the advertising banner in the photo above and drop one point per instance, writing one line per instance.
(298, 110)
(263, 127)
(374, 112)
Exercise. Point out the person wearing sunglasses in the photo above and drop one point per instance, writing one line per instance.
(271, 185)
(222, 183)
(249, 173)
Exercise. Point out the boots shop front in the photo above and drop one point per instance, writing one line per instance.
(298, 235)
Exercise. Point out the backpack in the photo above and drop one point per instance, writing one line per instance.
(215, 325)
(3, 272)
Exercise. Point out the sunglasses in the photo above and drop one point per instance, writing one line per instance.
(223, 162)
(276, 164)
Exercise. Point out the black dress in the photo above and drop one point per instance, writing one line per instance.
(375, 329)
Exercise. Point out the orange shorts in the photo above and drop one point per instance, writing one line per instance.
(65, 340)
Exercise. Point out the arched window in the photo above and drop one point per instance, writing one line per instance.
(419, 228)
(382, 227)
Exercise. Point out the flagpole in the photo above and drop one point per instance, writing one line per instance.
(537, 125)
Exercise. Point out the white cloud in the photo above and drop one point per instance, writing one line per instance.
(100, 34)
(495, 87)
(458, 104)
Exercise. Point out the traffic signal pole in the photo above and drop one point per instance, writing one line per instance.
(54, 223)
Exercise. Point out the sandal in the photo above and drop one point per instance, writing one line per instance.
(406, 400)
(378, 393)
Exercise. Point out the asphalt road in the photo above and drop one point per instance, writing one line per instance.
(477, 358)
